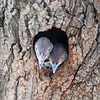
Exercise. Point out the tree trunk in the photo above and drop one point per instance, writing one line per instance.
(20, 77)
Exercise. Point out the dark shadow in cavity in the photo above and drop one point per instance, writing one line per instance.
(55, 35)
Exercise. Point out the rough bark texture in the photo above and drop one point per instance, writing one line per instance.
(20, 77)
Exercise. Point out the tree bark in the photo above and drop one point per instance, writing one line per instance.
(20, 77)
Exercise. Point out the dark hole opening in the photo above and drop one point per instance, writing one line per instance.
(55, 35)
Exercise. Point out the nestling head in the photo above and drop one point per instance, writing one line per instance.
(58, 56)
(43, 47)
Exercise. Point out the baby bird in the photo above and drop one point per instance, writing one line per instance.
(58, 56)
(43, 47)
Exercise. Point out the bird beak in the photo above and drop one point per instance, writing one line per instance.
(54, 67)
(41, 60)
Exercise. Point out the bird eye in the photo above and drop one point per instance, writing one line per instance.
(49, 49)
(61, 57)
(35, 48)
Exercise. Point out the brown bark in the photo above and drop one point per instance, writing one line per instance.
(20, 77)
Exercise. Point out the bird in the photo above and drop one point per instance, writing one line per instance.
(43, 47)
(47, 63)
(57, 56)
